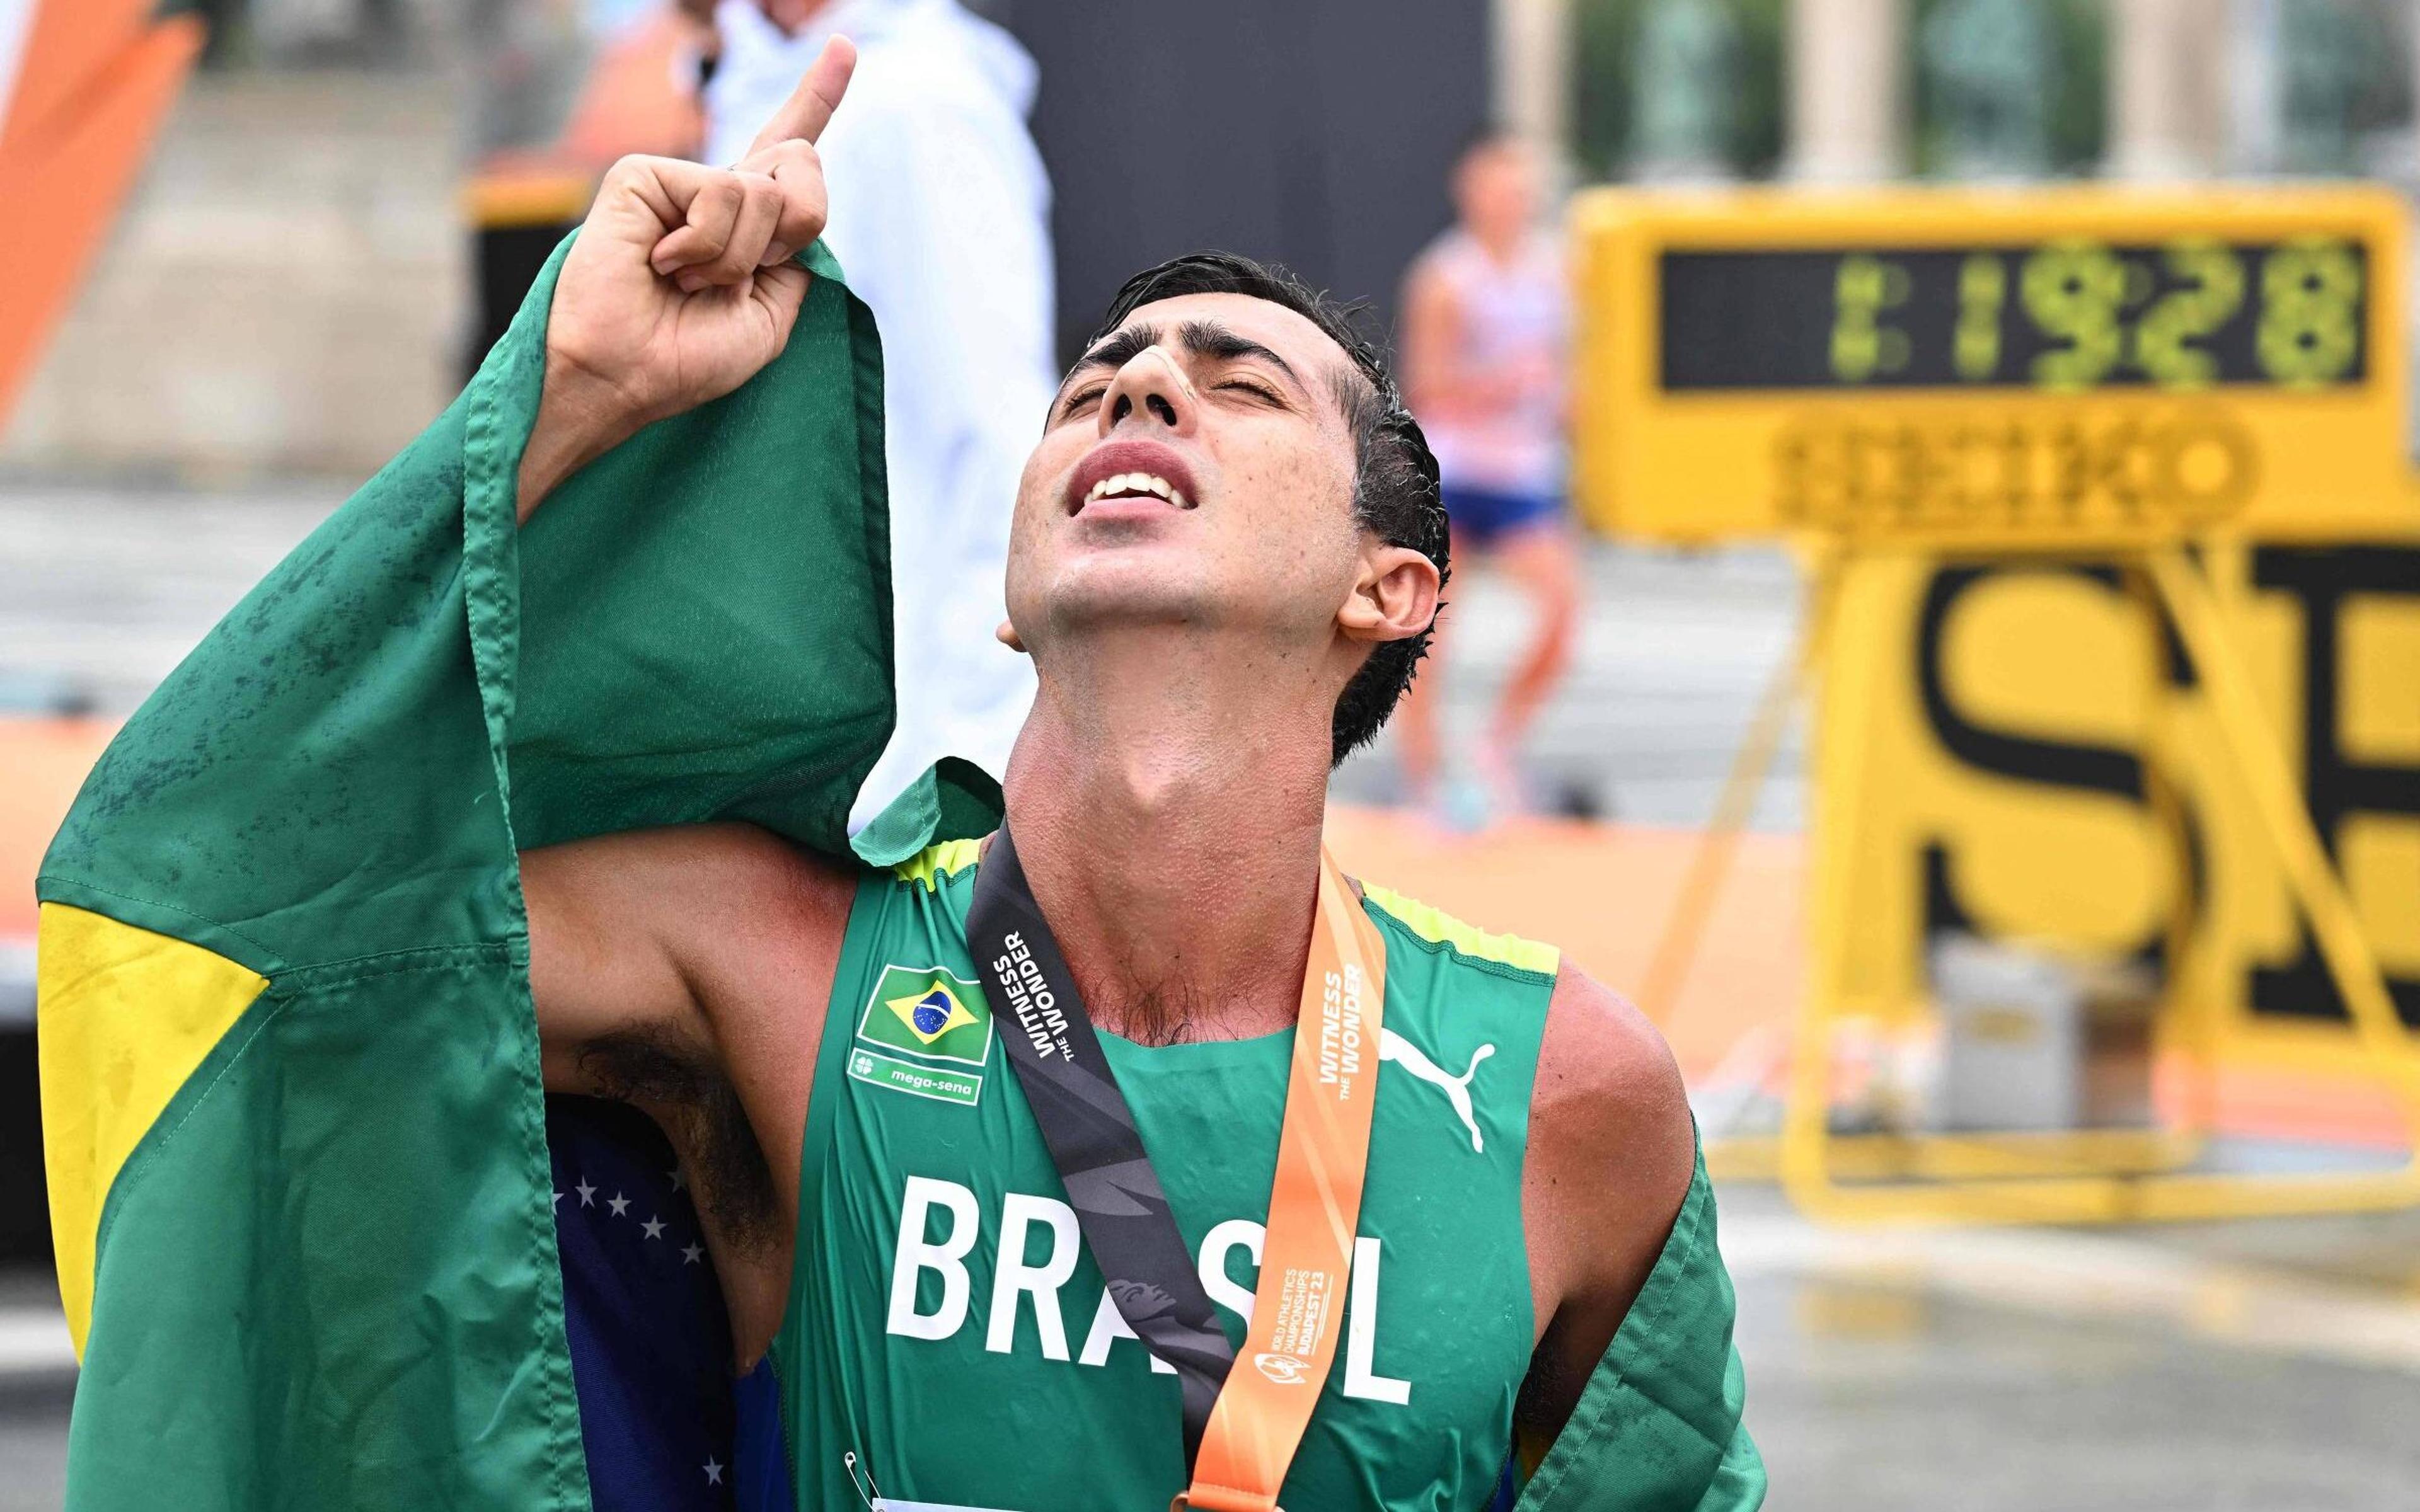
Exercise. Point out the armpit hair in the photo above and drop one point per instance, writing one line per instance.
(700, 1111)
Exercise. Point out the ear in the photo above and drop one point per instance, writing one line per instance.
(1007, 636)
(1393, 598)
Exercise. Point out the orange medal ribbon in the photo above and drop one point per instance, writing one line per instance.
(1314, 1209)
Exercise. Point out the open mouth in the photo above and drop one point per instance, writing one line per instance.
(1133, 474)
(1136, 485)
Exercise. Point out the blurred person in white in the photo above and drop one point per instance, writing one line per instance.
(940, 214)
(1484, 335)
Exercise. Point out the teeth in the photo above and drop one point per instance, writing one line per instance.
(1136, 483)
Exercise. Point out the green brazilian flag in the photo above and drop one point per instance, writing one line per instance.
(291, 1090)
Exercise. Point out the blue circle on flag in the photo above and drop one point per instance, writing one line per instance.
(931, 1013)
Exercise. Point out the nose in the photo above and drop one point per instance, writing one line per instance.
(1150, 387)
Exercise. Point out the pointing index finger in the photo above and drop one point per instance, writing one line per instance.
(810, 107)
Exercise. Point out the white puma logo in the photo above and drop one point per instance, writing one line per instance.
(1394, 1048)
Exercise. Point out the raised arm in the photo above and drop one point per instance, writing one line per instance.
(671, 944)
(686, 971)
(680, 287)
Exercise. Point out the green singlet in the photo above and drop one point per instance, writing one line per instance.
(948, 1341)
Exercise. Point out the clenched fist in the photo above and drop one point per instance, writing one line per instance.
(680, 287)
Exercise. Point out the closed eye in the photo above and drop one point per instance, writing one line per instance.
(1259, 391)
(1089, 395)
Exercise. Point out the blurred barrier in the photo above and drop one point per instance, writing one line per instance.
(2045, 765)
(518, 215)
(90, 82)
(2095, 485)
(1886, 824)
(637, 93)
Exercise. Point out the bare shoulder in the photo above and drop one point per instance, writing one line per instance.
(767, 869)
(1610, 1157)
(657, 925)
(1604, 1064)
(1612, 1147)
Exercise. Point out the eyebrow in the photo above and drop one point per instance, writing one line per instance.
(1202, 338)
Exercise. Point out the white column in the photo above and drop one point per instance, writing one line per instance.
(2167, 88)
(2412, 168)
(2255, 86)
(1531, 87)
(1847, 77)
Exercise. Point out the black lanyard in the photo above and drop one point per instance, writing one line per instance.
(1120, 1206)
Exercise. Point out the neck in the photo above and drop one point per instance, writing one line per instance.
(1171, 828)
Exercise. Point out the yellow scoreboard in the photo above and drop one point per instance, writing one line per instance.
(2015, 367)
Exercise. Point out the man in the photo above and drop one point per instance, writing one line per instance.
(1485, 331)
(941, 219)
(1225, 556)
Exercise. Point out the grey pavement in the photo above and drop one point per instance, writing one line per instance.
(2044, 1370)
(103, 590)
(32, 1443)
(35, 1388)
(1873, 1397)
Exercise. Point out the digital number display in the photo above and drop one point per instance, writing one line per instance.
(2065, 317)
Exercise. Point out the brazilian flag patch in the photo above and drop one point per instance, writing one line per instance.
(919, 1025)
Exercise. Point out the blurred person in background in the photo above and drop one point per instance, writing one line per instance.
(1485, 328)
(940, 215)
(633, 99)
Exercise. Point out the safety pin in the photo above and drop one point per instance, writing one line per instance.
(862, 1481)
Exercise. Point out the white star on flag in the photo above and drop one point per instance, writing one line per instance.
(654, 1228)
(558, 1199)
(713, 1471)
(618, 1203)
(690, 1254)
(587, 1193)
(677, 1182)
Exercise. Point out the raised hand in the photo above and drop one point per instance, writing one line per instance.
(680, 287)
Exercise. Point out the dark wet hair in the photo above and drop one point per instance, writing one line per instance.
(1395, 483)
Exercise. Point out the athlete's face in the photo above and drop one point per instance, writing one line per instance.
(1197, 468)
